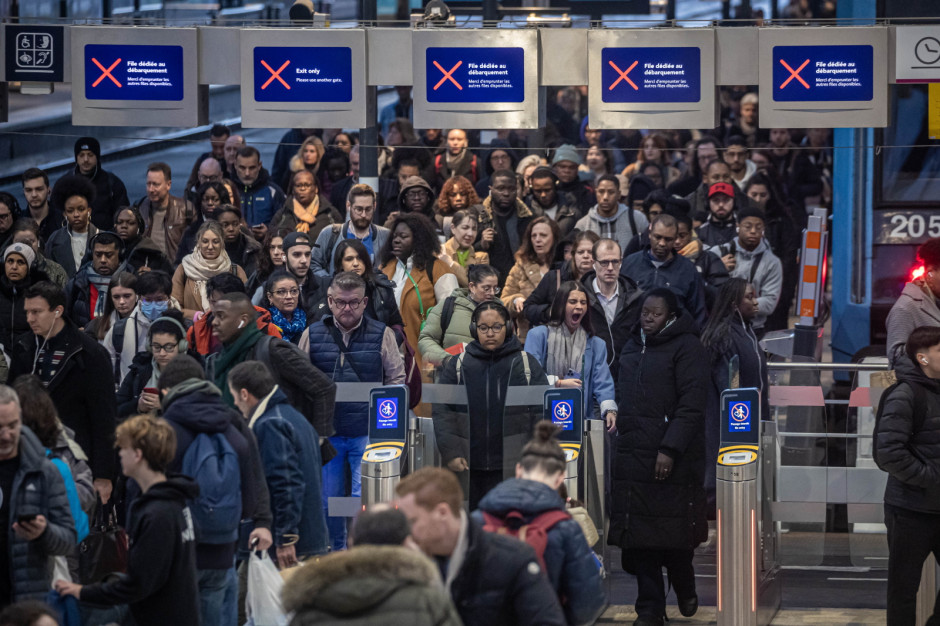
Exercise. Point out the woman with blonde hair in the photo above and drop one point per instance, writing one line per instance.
(308, 158)
(208, 259)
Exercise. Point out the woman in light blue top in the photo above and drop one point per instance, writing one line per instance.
(570, 353)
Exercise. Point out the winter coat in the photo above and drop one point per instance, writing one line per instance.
(138, 375)
(321, 260)
(290, 452)
(500, 583)
(567, 214)
(916, 306)
(619, 227)
(596, 381)
(82, 393)
(244, 253)
(326, 214)
(581, 193)
(53, 270)
(66, 449)
(260, 200)
(160, 585)
(13, 324)
(370, 586)
(186, 293)
(37, 487)
(202, 341)
(78, 296)
(661, 393)
(434, 340)
(522, 280)
(503, 248)
(59, 248)
(713, 233)
(614, 334)
(110, 195)
(908, 455)
(538, 304)
(474, 258)
(569, 561)
(477, 431)
(678, 274)
(143, 252)
(180, 213)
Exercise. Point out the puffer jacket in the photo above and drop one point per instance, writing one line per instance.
(909, 457)
(434, 340)
(370, 585)
(13, 324)
(260, 200)
(661, 393)
(569, 561)
(37, 486)
(143, 252)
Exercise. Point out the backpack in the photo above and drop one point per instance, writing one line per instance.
(211, 461)
(79, 516)
(920, 414)
(117, 342)
(447, 312)
(535, 533)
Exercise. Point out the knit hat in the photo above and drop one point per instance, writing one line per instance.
(88, 143)
(23, 250)
(640, 187)
(724, 188)
(751, 211)
(296, 239)
(566, 152)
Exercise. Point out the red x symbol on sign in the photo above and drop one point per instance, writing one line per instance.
(105, 72)
(623, 75)
(448, 75)
(274, 74)
(794, 73)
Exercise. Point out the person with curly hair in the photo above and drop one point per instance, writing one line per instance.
(457, 194)
(409, 259)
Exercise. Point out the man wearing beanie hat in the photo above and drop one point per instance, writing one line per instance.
(755, 263)
(110, 192)
(720, 227)
(565, 165)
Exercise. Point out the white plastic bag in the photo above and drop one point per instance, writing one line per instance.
(263, 600)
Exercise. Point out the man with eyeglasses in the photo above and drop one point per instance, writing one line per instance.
(447, 329)
(346, 343)
(416, 196)
(386, 196)
(360, 208)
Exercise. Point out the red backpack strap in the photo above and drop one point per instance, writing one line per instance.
(493, 524)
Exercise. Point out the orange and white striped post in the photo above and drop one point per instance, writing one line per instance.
(812, 262)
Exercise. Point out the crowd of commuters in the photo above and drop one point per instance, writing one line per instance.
(210, 328)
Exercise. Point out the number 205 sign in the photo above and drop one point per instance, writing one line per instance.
(905, 227)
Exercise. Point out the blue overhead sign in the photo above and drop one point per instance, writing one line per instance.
(303, 74)
(843, 73)
(475, 75)
(34, 53)
(667, 74)
(126, 72)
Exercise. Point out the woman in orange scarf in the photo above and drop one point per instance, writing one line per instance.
(305, 210)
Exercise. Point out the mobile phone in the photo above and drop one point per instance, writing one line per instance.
(26, 519)
(152, 390)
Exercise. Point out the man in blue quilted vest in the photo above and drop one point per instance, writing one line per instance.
(344, 345)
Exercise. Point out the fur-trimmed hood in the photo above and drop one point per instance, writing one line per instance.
(356, 579)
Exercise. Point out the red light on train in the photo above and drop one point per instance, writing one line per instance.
(917, 273)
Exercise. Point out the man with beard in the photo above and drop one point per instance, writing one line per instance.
(87, 291)
(110, 192)
(37, 192)
(261, 198)
(503, 222)
(167, 216)
(544, 199)
(360, 207)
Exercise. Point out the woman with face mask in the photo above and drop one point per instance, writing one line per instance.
(657, 501)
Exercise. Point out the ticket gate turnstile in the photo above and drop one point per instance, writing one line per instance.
(385, 457)
(565, 409)
(748, 580)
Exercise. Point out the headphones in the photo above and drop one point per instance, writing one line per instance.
(490, 305)
(923, 360)
(181, 347)
(120, 242)
(58, 314)
(544, 171)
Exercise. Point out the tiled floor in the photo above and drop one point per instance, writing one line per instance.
(788, 617)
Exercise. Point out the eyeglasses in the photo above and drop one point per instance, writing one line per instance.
(303, 185)
(608, 262)
(169, 348)
(361, 210)
(5, 216)
(493, 289)
(494, 329)
(151, 300)
(342, 304)
(283, 293)
(416, 193)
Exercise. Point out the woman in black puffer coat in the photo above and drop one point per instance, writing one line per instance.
(14, 281)
(658, 503)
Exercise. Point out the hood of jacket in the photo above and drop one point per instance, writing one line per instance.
(529, 497)
(499, 144)
(349, 582)
(413, 182)
(509, 348)
(682, 326)
(263, 179)
(911, 373)
(176, 488)
(197, 405)
(597, 217)
(762, 247)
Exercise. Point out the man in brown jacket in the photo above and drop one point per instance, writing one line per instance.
(167, 216)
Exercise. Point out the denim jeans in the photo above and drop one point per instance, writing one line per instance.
(349, 450)
(218, 596)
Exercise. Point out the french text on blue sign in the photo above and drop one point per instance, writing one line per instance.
(387, 414)
(479, 75)
(823, 73)
(303, 74)
(739, 416)
(563, 414)
(671, 74)
(125, 72)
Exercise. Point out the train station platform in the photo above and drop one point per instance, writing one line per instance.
(786, 617)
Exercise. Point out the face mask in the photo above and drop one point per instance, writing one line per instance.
(153, 310)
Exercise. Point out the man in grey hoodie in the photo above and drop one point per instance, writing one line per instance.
(611, 219)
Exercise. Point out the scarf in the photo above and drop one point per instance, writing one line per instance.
(199, 270)
(290, 328)
(306, 216)
(233, 354)
(565, 350)
(462, 256)
(100, 283)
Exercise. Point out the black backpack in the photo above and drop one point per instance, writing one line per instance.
(920, 414)
(446, 313)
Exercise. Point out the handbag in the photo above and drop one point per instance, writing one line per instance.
(104, 550)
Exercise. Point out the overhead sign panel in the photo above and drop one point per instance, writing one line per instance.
(823, 77)
(917, 54)
(303, 78)
(34, 53)
(137, 78)
(652, 79)
(476, 79)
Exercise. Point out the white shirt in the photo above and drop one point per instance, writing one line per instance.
(79, 245)
(609, 304)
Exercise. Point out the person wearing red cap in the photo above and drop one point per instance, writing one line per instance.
(720, 227)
